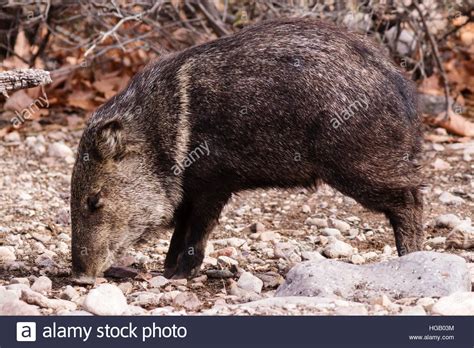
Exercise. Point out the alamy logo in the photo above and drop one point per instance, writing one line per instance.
(26, 332)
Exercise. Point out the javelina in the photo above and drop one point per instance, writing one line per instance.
(280, 104)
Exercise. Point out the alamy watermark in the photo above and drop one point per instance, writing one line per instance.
(359, 105)
(191, 157)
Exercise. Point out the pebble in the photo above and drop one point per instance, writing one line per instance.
(440, 164)
(187, 300)
(158, 282)
(312, 255)
(459, 303)
(17, 307)
(306, 209)
(337, 249)
(249, 282)
(226, 261)
(269, 236)
(12, 137)
(219, 273)
(447, 220)
(342, 226)
(7, 254)
(321, 223)
(437, 242)
(147, 299)
(331, 232)
(61, 150)
(42, 285)
(24, 281)
(106, 299)
(69, 293)
(32, 297)
(357, 259)
(450, 199)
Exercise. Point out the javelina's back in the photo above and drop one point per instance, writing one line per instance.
(280, 104)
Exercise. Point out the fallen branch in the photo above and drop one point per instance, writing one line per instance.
(22, 78)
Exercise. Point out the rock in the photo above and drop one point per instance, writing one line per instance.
(419, 274)
(69, 293)
(447, 220)
(12, 137)
(106, 299)
(312, 255)
(147, 299)
(450, 199)
(336, 249)
(462, 236)
(226, 261)
(228, 251)
(331, 232)
(357, 259)
(440, 164)
(249, 282)
(426, 302)
(17, 307)
(7, 254)
(60, 150)
(415, 310)
(32, 297)
(219, 273)
(257, 227)
(45, 261)
(121, 272)
(42, 285)
(271, 279)
(36, 144)
(269, 236)
(158, 282)
(289, 305)
(187, 300)
(321, 223)
(342, 226)
(126, 287)
(242, 294)
(306, 209)
(459, 303)
(8, 295)
(287, 251)
(437, 242)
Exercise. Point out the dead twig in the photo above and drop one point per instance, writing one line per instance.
(434, 48)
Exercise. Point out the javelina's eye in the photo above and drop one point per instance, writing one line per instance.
(94, 202)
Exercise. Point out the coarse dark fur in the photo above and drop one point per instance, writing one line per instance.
(283, 103)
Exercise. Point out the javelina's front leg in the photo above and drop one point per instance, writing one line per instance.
(203, 217)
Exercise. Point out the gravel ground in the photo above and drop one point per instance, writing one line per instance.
(261, 235)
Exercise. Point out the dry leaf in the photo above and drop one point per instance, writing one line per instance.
(82, 100)
(18, 101)
(455, 124)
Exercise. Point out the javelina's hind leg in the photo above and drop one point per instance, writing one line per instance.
(203, 217)
(406, 220)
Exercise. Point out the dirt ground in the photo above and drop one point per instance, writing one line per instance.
(264, 231)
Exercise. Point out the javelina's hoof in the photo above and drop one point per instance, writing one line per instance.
(83, 280)
(180, 272)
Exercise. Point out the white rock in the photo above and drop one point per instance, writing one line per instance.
(440, 164)
(147, 299)
(7, 254)
(158, 282)
(357, 259)
(106, 299)
(413, 310)
(342, 226)
(321, 223)
(306, 209)
(12, 137)
(331, 232)
(450, 199)
(447, 220)
(17, 307)
(226, 261)
(248, 281)
(336, 249)
(459, 303)
(187, 300)
(312, 255)
(437, 242)
(60, 150)
(69, 293)
(268, 236)
(42, 285)
(32, 297)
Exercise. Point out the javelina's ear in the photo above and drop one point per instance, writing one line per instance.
(109, 140)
